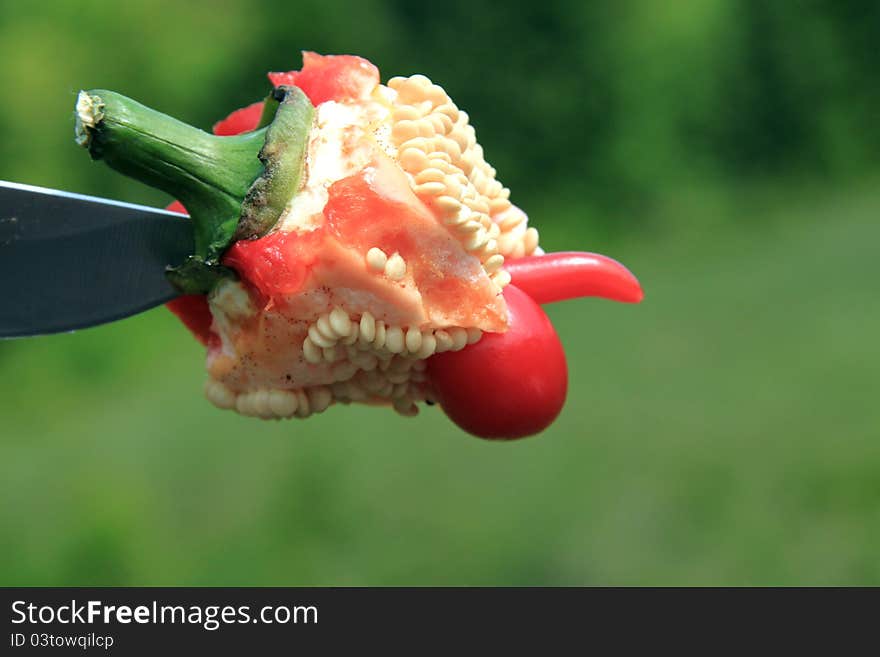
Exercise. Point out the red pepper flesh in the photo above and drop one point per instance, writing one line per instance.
(277, 264)
(331, 77)
(193, 311)
(241, 120)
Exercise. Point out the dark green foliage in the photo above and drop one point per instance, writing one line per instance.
(610, 102)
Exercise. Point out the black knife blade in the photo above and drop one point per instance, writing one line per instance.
(69, 261)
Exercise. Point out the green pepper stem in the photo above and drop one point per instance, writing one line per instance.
(210, 175)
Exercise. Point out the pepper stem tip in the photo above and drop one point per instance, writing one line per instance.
(89, 113)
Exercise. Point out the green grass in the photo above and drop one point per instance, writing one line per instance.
(724, 432)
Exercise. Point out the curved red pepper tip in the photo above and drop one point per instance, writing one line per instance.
(572, 274)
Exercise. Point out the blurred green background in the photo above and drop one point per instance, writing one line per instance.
(726, 431)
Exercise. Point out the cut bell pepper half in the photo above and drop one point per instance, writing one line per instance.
(378, 261)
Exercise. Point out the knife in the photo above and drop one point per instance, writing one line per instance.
(69, 261)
